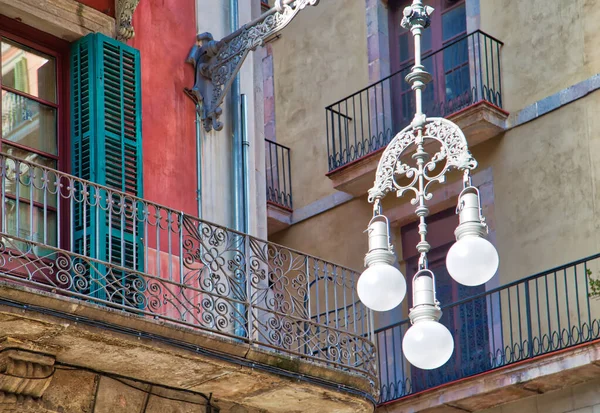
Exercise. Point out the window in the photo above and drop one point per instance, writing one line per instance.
(33, 122)
(445, 57)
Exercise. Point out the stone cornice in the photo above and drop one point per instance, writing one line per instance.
(66, 19)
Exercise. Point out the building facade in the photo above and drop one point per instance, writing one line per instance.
(521, 80)
(134, 274)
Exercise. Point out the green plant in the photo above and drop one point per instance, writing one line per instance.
(593, 283)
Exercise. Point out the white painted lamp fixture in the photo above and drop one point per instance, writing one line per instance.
(381, 286)
(471, 261)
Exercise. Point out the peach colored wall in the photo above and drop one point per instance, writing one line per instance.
(321, 57)
(543, 171)
(549, 45)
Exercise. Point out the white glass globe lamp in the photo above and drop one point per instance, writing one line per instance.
(472, 260)
(381, 287)
(427, 344)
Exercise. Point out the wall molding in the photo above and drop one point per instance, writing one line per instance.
(66, 19)
(553, 102)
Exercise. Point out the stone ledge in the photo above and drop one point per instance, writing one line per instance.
(278, 218)
(66, 19)
(74, 343)
(525, 379)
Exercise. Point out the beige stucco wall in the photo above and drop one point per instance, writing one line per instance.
(545, 197)
(549, 45)
(545, 189)
(543, 171)
(321, 57)
(336, 235)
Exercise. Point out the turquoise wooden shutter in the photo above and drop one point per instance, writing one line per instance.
(106, 148)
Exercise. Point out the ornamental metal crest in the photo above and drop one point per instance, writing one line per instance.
(393, 173)
(217, 62)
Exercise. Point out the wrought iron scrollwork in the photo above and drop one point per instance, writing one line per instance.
(453, 153)
(187, 271)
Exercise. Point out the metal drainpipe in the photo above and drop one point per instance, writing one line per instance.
(236, 142)
(198, 163)
(240, 327)
(245, 160)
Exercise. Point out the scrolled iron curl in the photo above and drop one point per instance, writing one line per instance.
(63, 279)
(257, 274)
(138, 283)
(154, 297)
(333, 354)
(191, 251)
(139, 300)
(80, 283)
(2, 252)
(333, 338)
(274, 337)
(222, 308)
(63, 262)
(221, 322)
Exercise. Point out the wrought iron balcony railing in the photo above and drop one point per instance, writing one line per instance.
(78, 239)
(279, 174)
(540, 314)
(465, 71)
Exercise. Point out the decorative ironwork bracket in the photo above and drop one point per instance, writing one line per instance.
(218, 62)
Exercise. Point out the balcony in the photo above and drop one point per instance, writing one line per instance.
(534, 320)
(466, 88)
(79, 251)
(279, 186)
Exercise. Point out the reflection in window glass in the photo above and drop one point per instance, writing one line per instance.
(28, 71)
(454, 22)
(41, 192)
(28, 123)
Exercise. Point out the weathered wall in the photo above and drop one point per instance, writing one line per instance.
(168, 128)
(549, 45)
(321, 57)
(543, 172)
(165, 33)
(336, 235)
(545, 183)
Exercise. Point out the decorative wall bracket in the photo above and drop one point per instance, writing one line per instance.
(124, 14)
(24, 374)
(218, 62)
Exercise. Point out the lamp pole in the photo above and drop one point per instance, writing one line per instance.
(472, 260)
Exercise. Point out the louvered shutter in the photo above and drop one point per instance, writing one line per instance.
(106, 148)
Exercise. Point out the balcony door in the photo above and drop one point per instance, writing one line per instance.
(445, 57)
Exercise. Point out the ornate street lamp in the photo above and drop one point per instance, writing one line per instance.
(471, 261)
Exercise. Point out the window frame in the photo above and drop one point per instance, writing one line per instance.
(59, 49)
